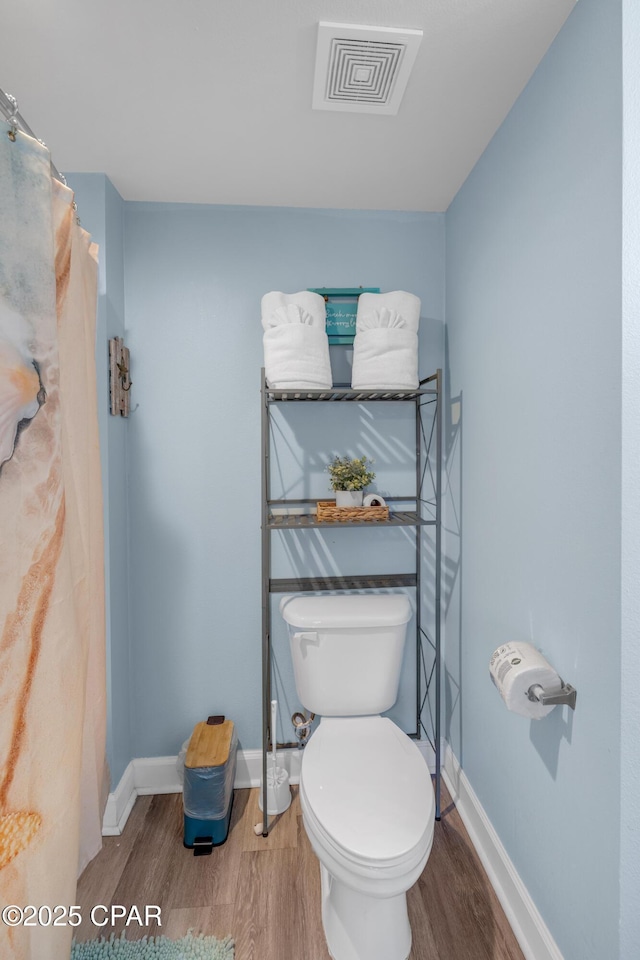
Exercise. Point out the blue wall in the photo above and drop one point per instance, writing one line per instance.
(534, 363)
(100, 208)
(194, 279)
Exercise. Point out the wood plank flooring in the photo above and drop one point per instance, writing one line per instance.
(265, 893)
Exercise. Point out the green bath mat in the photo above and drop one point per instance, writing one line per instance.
(154, 948)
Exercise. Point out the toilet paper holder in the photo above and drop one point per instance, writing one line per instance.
(565, 693)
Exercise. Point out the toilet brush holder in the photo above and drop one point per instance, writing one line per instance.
(278, 791)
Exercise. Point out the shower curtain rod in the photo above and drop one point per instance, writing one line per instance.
(9, 110)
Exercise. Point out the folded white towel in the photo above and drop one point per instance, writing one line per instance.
(280, 308)
(296, 356)
(397, 303)
(385, 359)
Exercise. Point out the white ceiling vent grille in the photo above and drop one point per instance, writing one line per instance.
(363, 69)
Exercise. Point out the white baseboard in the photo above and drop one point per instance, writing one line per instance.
(149, 775)
(524, 918)
(119, 804)
(155, 775)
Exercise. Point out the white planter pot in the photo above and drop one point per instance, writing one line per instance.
(349, 498)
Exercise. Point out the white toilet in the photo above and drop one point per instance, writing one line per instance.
(367, 801)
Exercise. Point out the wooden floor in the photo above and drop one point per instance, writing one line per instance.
(265, 893)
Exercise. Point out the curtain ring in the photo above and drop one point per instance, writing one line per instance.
(13, 119)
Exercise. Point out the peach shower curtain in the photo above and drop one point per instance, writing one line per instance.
(52, 635)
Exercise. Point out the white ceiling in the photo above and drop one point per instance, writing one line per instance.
(209, 101)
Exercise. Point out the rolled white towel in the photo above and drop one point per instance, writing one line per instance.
(296, 356)
(303, 307)
(390, 319)
(373, 308)
(385, 359)
(290, 314)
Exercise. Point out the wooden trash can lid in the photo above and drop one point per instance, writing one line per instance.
(209, 745)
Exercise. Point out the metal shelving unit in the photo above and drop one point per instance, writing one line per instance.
(427, 402)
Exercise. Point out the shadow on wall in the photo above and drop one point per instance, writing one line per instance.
(547, 736)
(306, 437)
(451, 593)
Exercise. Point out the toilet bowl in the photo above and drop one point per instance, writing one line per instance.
(367, 800)
(368, 810)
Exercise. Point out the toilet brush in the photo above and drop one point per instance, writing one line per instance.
(278, 790)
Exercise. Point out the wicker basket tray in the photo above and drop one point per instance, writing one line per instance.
(328, 512)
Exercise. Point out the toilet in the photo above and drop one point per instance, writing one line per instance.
(367, 800)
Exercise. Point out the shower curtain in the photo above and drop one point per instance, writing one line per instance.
(52, 635)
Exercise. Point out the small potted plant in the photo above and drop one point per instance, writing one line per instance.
(349, 478)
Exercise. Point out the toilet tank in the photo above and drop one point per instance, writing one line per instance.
(347, 651)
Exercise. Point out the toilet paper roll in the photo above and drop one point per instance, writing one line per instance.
(514, 667)
(374, 500)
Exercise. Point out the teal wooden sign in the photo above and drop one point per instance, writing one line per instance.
(342, 307)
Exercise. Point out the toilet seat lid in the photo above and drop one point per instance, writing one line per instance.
(368, 787)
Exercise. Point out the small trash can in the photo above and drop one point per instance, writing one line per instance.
(209, 772)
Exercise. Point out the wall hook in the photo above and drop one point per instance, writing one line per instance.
(119, 377)
(123, 371)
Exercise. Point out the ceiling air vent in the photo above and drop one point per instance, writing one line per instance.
(363, 69)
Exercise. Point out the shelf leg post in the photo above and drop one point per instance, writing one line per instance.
(266, 601)
(418, 567)
(438, 669)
